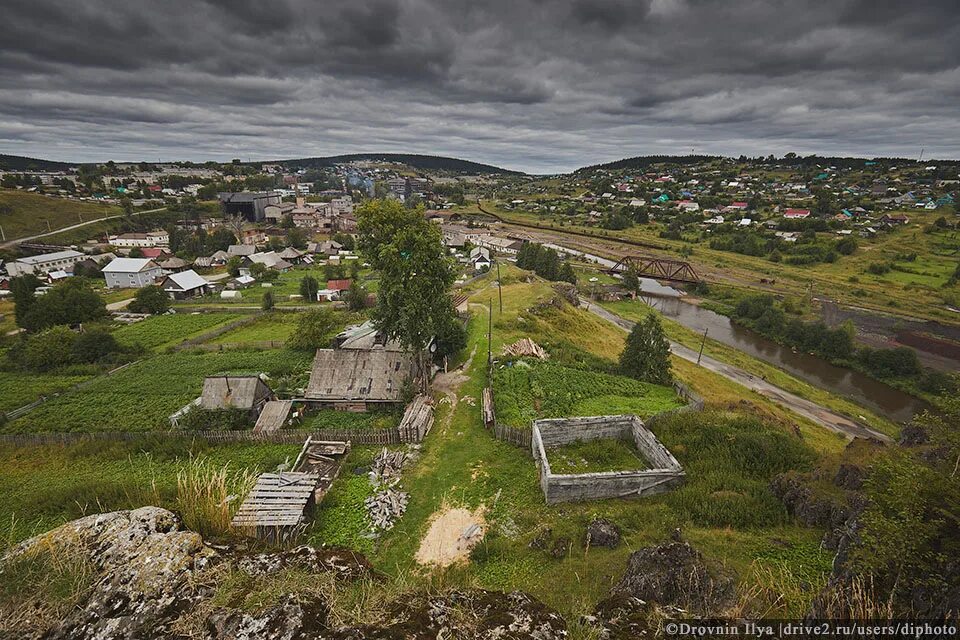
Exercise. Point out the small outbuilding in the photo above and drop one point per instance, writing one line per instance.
(249, 393)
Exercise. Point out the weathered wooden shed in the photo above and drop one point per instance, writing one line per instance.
(235, 392)
(355, 378)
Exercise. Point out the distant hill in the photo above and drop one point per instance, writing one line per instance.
(427, 163)
(643, 162)
(21, 163)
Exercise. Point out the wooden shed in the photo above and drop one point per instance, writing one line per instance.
(354, 378)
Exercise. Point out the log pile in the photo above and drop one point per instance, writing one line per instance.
(488, 415)
(387, 466)
(525, 347)
(385, 507)
(417, 420)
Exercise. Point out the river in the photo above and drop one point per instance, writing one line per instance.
(860, 388)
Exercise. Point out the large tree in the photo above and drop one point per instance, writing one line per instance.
(413, 303)
(646, 355)
(69, 303)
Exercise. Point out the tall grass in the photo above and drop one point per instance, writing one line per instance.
(208, 495)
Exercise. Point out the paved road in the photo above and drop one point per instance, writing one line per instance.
(820, 415)
(122, 304)
(12, 243)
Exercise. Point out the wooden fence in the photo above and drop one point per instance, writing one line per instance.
(227, 346)
(284, 436)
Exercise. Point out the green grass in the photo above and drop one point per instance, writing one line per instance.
(157, 332)
(530, 390)
(333, 419)
(276, 326)
(142, 396)
(44, 486)
(607, 454)
(20, 388)
(636, 310)
(31, 213)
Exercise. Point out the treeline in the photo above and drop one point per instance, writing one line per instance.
(545, 262)
(762, 314)
(808, 249)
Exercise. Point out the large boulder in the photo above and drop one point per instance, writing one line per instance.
(143, 561)
(626, 618)
(603, 533)
(675, 574)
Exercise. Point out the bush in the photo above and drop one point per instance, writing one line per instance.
(94, 346)
(216, 420)
(48, 349)
(70, 303)
(878, 268)
(151, 299)
(847, 246)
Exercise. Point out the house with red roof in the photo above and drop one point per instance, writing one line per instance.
(338, 285)
(796, 214)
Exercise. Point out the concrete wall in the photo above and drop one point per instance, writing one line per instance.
(547, 434)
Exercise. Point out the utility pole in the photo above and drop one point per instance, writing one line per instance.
(499, 288)
(702, 342)
(490, 335)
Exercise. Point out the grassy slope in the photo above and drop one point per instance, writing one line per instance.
(48, 485)
(463, 465)
(636, 310)
(142, 396)
(32, 212)
(273, 326)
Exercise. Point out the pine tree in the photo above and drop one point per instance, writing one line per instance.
(646, 355)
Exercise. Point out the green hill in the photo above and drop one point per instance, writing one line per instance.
(427, 163)
(25, 214)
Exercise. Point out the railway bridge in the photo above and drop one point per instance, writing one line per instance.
(658, 269)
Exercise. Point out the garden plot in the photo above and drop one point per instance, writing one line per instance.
(526, 390)
(604, 439)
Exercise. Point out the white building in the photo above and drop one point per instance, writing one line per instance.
(133, 273)
(142, 240)
(184, 284)
(42, 264)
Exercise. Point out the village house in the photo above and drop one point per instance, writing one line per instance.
(185, 284)
(248, 393)
(480, 259)
(796, 214)
(45, 263)
(894, 219)
(275, 212)
(247, 204)
(173, 264)
(269, 259)
(132, 273)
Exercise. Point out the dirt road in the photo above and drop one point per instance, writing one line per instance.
(810, 410)
(12, 243)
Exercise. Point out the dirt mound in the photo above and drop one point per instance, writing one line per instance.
(452, 534)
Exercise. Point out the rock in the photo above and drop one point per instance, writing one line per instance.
(674, 574)
(560, 548)
(850, 477)
(344, 563)
(676, 535)
(913, 435)
(144, 561)
(542, 539)
(625, 618)
(288, 620)
(473, 614)
(813, 510)
(603, 533)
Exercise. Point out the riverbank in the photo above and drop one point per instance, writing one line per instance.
(820, 406)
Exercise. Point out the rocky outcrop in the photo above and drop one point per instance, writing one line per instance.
(144, 561)
(153, 579)
(626, 618)
(809, 507)
(675, 574)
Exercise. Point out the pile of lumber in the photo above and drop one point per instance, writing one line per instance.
(525, 347)
(386, 466)
(417, 420)
(488, 415)
(385, 507)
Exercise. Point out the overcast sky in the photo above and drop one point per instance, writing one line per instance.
(539, 86)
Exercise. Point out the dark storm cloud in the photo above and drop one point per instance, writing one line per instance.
(532, 84)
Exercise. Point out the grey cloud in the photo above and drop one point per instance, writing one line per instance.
(541, 85)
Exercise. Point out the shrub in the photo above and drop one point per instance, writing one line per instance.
(216, 420)
(878, 268)
(48, 349)
(315, 330)
(94, 346)
(151, 299)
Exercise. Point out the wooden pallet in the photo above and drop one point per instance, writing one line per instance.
(277, 500)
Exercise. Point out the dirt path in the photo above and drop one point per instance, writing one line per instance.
(810, 410)
(11, 243)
